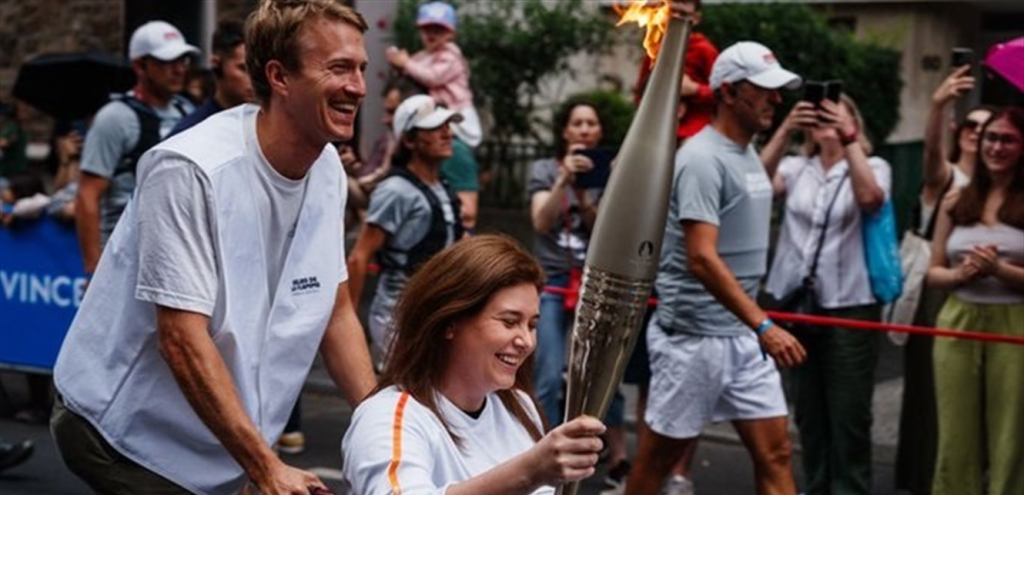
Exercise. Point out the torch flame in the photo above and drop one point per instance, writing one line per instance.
(646, 14)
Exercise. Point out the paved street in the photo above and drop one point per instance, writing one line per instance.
(721, 465)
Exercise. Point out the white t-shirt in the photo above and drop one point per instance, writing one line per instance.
(395, 445)
(177, 257)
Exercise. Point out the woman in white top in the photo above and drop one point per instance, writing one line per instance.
(454, 412)
(944, 170)
(835, 179)
(978, 254)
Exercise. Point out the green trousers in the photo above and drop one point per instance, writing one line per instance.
(979, 391)
(832, 399)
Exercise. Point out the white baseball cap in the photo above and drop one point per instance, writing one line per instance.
(754, 63)
(421, 112)
(159, 40)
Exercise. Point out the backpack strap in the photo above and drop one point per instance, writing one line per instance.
(149, 130)
(436, 238)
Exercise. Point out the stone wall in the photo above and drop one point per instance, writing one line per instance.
(31, 27)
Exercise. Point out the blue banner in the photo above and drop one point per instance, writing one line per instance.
(41, 286)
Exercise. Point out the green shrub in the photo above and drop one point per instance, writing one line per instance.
(804, 43)
(511, 46)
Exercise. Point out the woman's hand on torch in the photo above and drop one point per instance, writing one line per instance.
(568, 453)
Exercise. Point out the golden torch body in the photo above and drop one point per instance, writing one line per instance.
(625, 244)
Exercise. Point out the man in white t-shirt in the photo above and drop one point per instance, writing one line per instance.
(223, 280)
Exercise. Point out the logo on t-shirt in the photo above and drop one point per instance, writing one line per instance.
(307, 285)
(758, 184)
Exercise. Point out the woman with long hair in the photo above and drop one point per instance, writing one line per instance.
(829, 189)
(945, 168)
(562, 214)
(978, 255)
(454, 411)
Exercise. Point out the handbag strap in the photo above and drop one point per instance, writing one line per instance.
(930, 230)
(824, 228)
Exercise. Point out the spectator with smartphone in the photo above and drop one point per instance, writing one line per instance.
(945, 168)
(978, 255)
(828, 189)
(563, 211)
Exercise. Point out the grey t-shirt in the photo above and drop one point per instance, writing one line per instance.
(401, 210)
(114, 133)
(570, 238)
(722, 183)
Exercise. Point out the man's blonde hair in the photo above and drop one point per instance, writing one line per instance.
(272, 32)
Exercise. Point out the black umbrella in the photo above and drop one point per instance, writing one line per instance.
(72, 85)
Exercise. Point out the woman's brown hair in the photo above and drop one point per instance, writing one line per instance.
(456, 284)
(971, 203)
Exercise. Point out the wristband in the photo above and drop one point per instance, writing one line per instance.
(764, 326)
(847, 139)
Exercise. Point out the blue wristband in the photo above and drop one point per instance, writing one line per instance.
(764, 326)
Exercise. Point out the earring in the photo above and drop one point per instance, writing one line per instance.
(450, 332)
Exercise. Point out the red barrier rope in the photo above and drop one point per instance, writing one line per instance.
(863, 324)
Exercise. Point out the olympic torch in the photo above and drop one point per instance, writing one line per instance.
(626, 240)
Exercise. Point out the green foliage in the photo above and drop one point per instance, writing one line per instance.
(802, 40)
(511, 46)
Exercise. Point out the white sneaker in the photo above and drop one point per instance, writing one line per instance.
(292, 443)
(678, 486)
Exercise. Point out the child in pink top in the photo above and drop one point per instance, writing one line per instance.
(440, 67)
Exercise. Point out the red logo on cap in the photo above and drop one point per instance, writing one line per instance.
(769, 58)
(171, 35)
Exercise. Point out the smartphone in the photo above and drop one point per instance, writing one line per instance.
(833, 90)
(596, 177)
(961, 57)
(814, 91)
(817, 90)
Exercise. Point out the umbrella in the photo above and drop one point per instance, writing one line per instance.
(1007, 60)
(72, 85)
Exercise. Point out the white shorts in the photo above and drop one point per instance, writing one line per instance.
(701, 379)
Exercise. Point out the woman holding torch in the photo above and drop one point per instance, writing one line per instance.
(453, 413)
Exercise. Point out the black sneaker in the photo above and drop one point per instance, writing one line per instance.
(615, 479)
(13, 454)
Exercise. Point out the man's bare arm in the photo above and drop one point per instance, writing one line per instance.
(344, 350)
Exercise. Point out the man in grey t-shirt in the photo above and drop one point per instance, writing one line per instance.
(709, 341)
(412, 214)
(115, 141)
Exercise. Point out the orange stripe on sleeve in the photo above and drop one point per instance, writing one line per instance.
(396, 444)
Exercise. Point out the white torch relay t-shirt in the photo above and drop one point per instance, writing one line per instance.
(395, 445)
